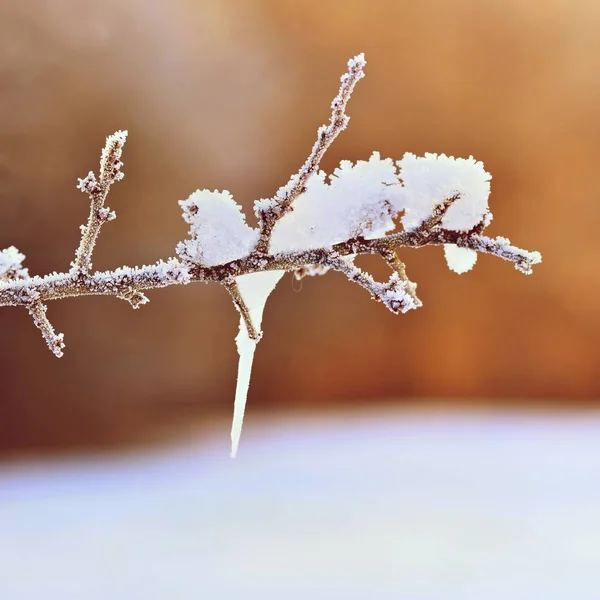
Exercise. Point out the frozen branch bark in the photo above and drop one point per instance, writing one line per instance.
(98, 190)
(313, 224)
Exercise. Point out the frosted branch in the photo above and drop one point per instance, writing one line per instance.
(397, 294)
(55, 341)
(313, 224)
(110, 172)
(254, 332)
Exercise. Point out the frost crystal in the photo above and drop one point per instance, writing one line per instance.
(218, 229)
(254, 289)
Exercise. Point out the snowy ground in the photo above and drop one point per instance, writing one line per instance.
(376, 506)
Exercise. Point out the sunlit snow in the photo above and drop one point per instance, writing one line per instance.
(382, 505)
(218, 229)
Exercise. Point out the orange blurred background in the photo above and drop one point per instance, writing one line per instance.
(228, 95)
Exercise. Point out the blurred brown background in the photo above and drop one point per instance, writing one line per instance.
(228, 95)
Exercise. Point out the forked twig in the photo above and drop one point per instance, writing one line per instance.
(270, 211)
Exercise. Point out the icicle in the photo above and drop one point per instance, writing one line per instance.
(254, 289)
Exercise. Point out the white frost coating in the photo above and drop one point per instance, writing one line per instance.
(355, 200)
(218, 229)
(460, 260)
(430, 179)
(254, 289)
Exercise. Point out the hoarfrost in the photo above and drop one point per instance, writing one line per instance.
(254, 289)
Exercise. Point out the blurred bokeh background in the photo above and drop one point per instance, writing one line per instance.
(465, 470)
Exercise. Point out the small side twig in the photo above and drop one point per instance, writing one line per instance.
(398, 267)
(54, 340)
(396, 294)
(97, 190)
(254, 333)
(270, 211)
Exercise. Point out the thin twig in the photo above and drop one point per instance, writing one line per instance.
(398, 267)
(54, 340)
(110, 172)
(270, 211)
(254, 333)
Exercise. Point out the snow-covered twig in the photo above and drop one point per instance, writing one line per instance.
(313, 224)
(271, 210)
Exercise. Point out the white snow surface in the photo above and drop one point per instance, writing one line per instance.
(428, 180)
(382, 504)
(254, 288)
(460, 260)
(218, 229)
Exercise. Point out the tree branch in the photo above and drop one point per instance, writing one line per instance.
(110, 172)
(55, 341)
(125, 280)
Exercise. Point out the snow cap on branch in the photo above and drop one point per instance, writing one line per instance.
(218, 229)
(428, 180)
(356, 200)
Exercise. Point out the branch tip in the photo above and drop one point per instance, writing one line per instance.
(55, 341)
(110, 172)
(270, 211)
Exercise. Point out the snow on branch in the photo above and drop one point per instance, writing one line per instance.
(271, 210)
(313, 224)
